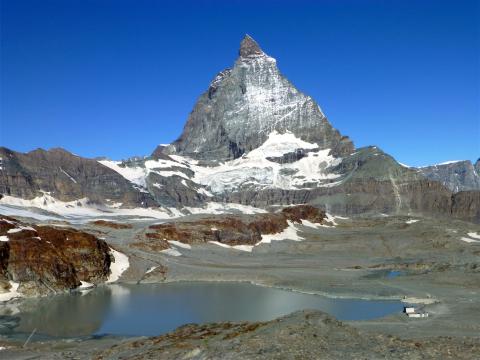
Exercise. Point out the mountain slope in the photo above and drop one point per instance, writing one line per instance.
(245, 104)
(66, 177)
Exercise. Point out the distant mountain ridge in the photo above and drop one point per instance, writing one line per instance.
(456, 175)
(251, 139)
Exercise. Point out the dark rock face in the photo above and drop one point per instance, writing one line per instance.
(45, 259)
(172, 191)
(67, 177)
(231, 230)
(245, 104)
(289, 157)
(457, 176)
(158, 153)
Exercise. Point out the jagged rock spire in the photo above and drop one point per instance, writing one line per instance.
(249, 47)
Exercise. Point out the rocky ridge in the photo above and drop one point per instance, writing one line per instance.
(456, 175)
(66, 177)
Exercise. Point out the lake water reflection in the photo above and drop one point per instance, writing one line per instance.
(152, 309)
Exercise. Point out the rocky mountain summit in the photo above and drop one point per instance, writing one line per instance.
(245, 104)
(251, 139)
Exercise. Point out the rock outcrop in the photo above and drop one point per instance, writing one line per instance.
(45, 259)
(232, 230)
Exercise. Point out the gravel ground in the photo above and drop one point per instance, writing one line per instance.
(349, 260)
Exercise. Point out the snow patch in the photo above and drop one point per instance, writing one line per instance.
(279, 144)
(290, 233)
(469, 240)
(150, 269)
(331, 220)
(411, 221)
(247, 248)
(21, 228)
(205, 192)
(179, 244)
(4, 238)
(171, 252)
(78, 210)
(135, 175)
(12, 293)
(85, 285)
(222, 208)
(311, 224)
(69, 176)
(118, 267)
(474, 235)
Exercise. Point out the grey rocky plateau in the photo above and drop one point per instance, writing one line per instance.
(236, 114)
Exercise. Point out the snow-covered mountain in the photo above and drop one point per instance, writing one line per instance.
(252, 139)
(247, 103)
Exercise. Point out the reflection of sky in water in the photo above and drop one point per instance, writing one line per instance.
(154, 309)
(393, 274)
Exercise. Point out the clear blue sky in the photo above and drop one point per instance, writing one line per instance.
(117, 77)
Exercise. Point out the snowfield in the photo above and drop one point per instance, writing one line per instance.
(253, 169)
(118, 267)
(12, 293)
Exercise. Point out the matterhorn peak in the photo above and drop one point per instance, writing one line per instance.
(249, 47)
(245, 104)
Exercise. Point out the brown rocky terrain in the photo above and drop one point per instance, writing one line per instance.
(44, 259)
(111, 224)
(229, 229)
